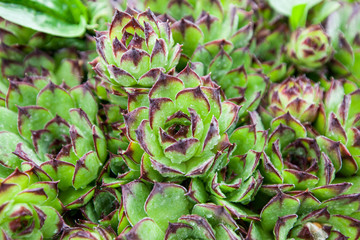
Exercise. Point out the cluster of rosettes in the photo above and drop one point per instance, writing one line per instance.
(193, 120)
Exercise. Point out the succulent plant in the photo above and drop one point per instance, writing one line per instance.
(300, 162)
(298, 96)
(215, 37)
(60, 139)
(153, 217)
(310, 48)
(341, 26)
(202, 119)
(181, 125)
(303, 216)
(135, 50)
(338, 121)
(30, 208)
(199, 34)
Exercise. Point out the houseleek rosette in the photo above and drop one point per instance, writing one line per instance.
(303, 216)
(244, 88)
(29, 209)
(152, 216)
(215, 40)
(222, 51)
(136, 48)
(300, 162)
(59, 138)
(298, 96)
(338, 121)
(310, 48)
(183, 129)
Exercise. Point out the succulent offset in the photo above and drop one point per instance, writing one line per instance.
(309, 48)
(297, 96)
(183, 120)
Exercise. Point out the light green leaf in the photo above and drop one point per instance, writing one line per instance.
(47, 17)
(285, 7)
(298, 16)
(324, 11)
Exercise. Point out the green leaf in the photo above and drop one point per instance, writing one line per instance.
(8, 143)
(163, 196)
(283, 226)
(86, 170)
(8, 120)
(134, 195)
(285, 7)
(145, 229)
(56, 99)
(55, 17)
(73, 199)
(52, 223)
(20, 94)
(279, 206)
(324, 10)
(60, 170)
(298, 16)
(32, 118)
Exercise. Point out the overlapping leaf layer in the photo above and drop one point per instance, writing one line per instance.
(180, 119)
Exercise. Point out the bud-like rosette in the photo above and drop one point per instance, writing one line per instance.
(305, 217)
(298, 96)
(151, 213)
(183, 129)
(310, 48)
(137, 47)
(29, 209)
(305, 163)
